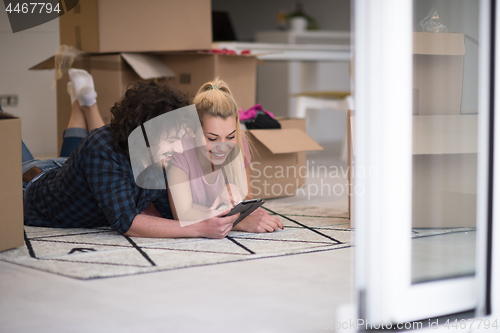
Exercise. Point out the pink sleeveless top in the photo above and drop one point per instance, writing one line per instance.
(203, 193)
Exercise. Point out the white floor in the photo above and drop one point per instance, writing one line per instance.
(287, 294)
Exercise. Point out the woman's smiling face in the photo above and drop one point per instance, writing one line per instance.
(220, 135)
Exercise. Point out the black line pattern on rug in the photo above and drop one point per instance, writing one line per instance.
(93, 262)
(188, 250)
(333, 229)
(148, 247)
(240, 245)
(305, 226)
(82, 250)
(153, 247)
(29, 246)
(306, 251)
(326, 217)
(78, 234)
(322, 216)
(83, 243)
(321, 228)
(138, 248)
(107, 234)
(285, 240)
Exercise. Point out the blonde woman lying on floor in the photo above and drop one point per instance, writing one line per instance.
(213, 172)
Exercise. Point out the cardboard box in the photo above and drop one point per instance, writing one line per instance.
(278, 165)
(112, 74)
(444, 174)
(99, 26)
(11, 191)
(438, 61)
(300, 123)
(193, 69)
(444, 171)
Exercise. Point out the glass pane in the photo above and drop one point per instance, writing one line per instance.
(445, 99)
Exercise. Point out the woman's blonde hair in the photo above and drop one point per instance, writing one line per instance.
(215, 99)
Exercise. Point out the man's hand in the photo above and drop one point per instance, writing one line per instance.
(216, 226)
(259, 221)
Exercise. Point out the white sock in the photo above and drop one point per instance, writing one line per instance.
(71, 92)
(83, 85)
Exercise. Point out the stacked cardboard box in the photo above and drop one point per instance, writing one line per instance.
(11, 193)
(112, 26)
(444, 141)
(129, 40)
(438, 61)
(444, 171)
(187, 71)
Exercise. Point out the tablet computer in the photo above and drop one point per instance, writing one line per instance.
(245, 208)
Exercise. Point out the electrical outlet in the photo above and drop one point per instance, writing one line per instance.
(9, 100)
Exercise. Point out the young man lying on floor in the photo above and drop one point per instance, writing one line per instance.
(92, 183)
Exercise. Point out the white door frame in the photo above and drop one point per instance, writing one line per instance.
(383, 99)
(493, 290)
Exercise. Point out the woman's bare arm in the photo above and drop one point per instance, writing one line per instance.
(181, 200)
(156, 227)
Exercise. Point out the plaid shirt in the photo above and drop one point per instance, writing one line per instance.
(95, 187)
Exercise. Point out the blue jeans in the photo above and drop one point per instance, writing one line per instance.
(71, 139)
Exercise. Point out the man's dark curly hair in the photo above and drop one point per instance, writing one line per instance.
(142, 101)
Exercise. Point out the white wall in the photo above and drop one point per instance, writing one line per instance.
(37, 101)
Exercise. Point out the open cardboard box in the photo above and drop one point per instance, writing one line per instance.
(444, 171)
(11, 191)
(278, 166)
(104, 26)
(187, 71)
(438, 61)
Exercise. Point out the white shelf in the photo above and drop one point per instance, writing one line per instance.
(290, 52)
(320, 37)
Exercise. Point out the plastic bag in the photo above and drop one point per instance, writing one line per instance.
(65, 55)
(431, 23)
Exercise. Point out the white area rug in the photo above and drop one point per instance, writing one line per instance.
(101, 253)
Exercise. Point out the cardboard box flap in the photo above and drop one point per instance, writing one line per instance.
(51, 64)
(147, 66)
(6, 115)
(445, 134)
(46, 64)
(281, 141)
(438, 43)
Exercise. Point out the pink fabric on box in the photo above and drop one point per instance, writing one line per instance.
(252, 112)
(202, 192)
